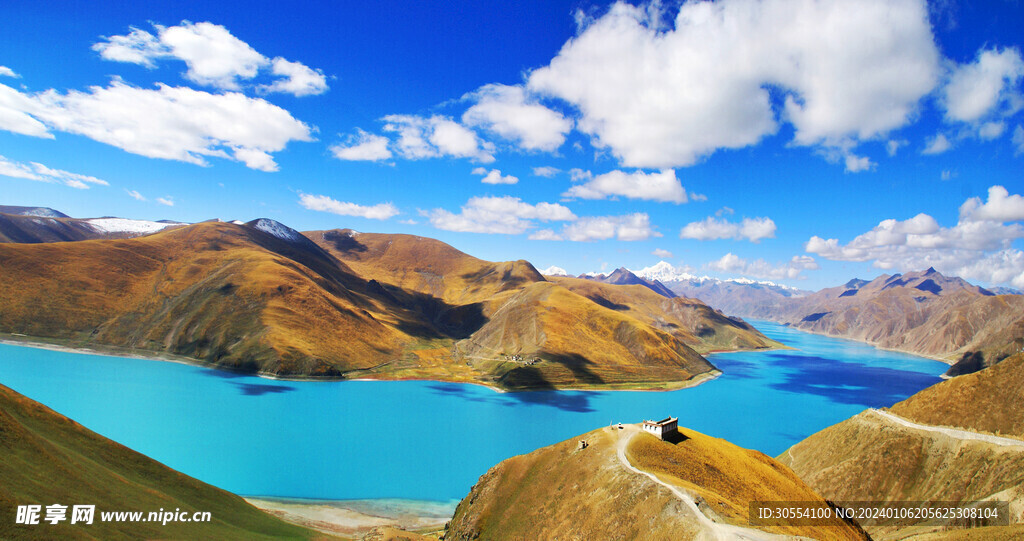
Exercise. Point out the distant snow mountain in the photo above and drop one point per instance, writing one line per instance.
(623, 276)
(31, 225)
(124, 225)
(554, 271)
(736, 297)
(42, 212)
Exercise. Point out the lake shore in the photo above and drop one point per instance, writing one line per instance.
(14, 339)
(355, 518)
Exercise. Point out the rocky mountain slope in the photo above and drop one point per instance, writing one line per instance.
(49, 459)
(626, 484)
(261, 297)
(623, 276)
(919, 312)
(960, 440)
(41, 224)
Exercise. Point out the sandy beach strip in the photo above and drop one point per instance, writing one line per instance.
(355, 518)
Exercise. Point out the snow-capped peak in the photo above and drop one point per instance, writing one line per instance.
(124, 225)
(593, 274)
(663, 271)
(277, 229)
(554, 271)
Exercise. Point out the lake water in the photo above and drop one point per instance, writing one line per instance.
(429, 440)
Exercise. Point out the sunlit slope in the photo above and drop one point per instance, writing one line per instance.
(690, 320)
(222, 293)
(263, 298)
(49, 459)
(991, 401)
(578, 340)
(564, 492)
(870, 457)
(920, 312)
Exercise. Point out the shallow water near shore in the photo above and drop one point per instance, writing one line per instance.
(424, 440)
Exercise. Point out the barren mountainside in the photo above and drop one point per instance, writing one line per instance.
(567, 492)
(261, 297)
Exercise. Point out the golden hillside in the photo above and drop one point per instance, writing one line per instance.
(40, 447)
(873, 457)
(565, 492)
(263, 298)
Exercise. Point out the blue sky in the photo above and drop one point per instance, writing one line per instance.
(799, 142)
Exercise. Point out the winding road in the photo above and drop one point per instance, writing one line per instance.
(951, 432)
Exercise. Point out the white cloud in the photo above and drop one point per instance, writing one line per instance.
(504, 215)
(422, 137)
(892, 146)
(978, 247)
(991, 130)
(15, 116)
(494, 176)
(174, 123)
(759, 268)
(545, 171)
(664, 254)
(661, 186)
(41, 173)
(363, 147)
(297, 79)
(977, 89)
(856, 164)
(711, 228)
(636, 226)
(1018, 139)
(214, 58)
(544, 234)
(134, 194)
(166, 201)
(937, 145)
(947, 174)
(510, 113)
(666, 98)
(8, 72)
(1000, 207)
(323, 203)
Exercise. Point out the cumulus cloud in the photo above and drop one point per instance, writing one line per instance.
(8, 72)
(978, 247)
(1000, 207)
(41, 173)
(937, 145)
(214, 57)
(759, 268)
(892, 146)
(174, 123)
(630, 227)
(711, 228)
(505, 215)
(15, 109)
(323, 203)
(363, 147)
(509, 112)
(166, 201)
(134, 194)
(985, 86)
(545, 171)
(661, 186)
(494, 176)
(662, 98)
(663, 254)
(436, 136)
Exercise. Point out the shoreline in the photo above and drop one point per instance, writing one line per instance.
(865, 342)
(21, 340)
(358, 517)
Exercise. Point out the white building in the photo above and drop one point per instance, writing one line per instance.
(662, 428)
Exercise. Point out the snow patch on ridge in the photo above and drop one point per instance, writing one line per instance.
(277, 229)
(554, 271)
(124, 225)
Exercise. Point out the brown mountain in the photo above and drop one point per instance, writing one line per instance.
(918, 312)
(42, 224)
(960, 440)
(625, 277)
(261, 297)
(627, 484)
(49, 459)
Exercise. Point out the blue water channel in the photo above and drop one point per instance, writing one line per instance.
(427, 440)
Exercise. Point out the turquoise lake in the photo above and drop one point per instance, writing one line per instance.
(430, 440)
